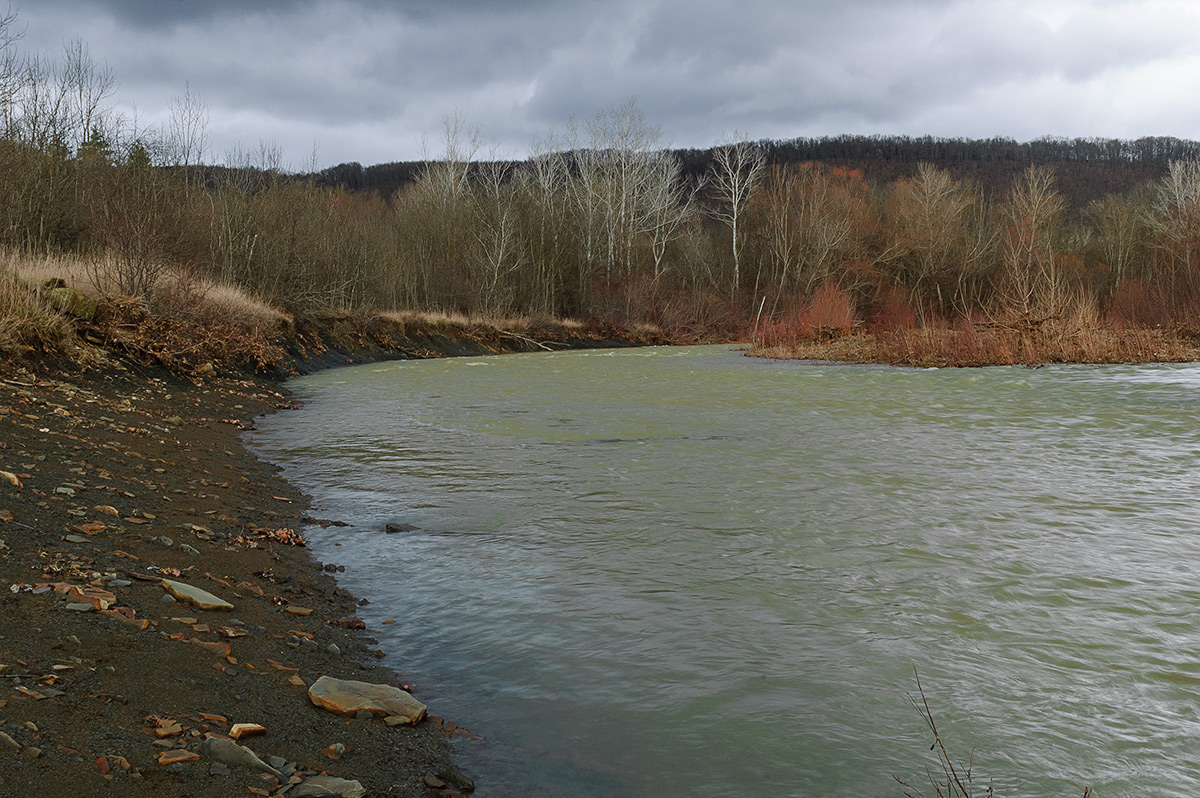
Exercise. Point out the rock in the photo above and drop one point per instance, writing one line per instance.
(230, 753)
(186, 549)
(174, 420)
(239, 730)
(433, 781)
(163, 541)
(75, 539)
(334, 752)
(393, 529)
(347, 697)
(177, 755)
(168, 728)
(217, 769)
(194, 595)
(9, 743)
(65, 491)
(305, 611)
(31, 752)
(457, 778)
(328, 787)
(73, 303)
(80, 607)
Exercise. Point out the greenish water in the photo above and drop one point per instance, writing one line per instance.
(682, 572)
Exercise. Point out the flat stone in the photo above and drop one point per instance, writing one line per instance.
(195, 596)
(176, 755)
(328, 787)
(239, 730)
(348, 697)
(227, 751)
(80, 607)
(76, 539)
(9, 743)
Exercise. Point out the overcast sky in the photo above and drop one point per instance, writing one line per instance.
(368, 80)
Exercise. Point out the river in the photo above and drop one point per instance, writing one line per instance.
(683, 572)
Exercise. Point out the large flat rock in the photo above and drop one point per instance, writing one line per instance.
(195, 596)
(348, 697)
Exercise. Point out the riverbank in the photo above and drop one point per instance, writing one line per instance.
(116, 472)
(970, 345)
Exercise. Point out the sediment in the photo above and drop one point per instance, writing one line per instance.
(118, 475)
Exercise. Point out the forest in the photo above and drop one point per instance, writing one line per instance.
(1054, 249)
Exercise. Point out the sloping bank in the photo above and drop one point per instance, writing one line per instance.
(120, 476)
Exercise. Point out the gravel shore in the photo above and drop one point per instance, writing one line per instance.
(112, 479)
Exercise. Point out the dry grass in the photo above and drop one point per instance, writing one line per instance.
(27, 323)
(1075, 333)
(40, 269)
(424, 320)
(984, 345)
(177, 294)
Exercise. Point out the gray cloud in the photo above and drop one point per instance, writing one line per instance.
(370, 78)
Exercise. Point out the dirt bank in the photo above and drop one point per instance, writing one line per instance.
(117, 475)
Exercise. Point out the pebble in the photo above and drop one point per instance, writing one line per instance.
(167, 599)
(186, 549)
(333, 649)
(80, 607)
(76, 539)
(8, 742)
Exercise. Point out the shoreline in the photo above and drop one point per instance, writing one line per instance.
(117, 475)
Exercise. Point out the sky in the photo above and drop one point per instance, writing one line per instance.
(374, 81)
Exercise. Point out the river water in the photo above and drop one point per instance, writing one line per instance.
(683, 572)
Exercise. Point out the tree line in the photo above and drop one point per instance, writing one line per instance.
(602, 221)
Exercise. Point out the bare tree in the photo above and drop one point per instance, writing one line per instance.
(1175, 219)
(88, 85)
(736, 170)
(187, 129)
(1034, 289)
(668, 202)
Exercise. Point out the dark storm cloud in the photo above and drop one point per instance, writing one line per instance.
(370, 78)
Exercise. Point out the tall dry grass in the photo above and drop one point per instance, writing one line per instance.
(27, 322)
